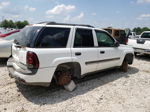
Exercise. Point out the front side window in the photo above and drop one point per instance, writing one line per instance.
(83, 38)
(53, 38)
(104, 40)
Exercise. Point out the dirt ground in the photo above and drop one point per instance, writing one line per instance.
(109, 91)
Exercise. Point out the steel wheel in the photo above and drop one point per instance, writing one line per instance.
(63, 78)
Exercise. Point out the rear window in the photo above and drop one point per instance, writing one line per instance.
(52, 37)
(145, 35)
(122, 33)
(25, 36)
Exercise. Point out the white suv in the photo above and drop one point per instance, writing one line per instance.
(47, 51)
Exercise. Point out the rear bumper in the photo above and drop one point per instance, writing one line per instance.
(41, 77)
(144, 51)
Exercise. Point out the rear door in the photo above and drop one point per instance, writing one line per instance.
(52, 46)
(108, 55)
(84, 50)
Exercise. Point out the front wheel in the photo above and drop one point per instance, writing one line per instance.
(124, 66)
(135, 53)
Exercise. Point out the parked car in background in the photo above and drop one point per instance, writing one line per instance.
(141, 44)
(5, 45)
(62, 52)
(3, 31)
(118, 34)
(9, 33)
(132, 35)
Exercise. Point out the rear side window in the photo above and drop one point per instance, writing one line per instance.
(83, 38)
(52, 37)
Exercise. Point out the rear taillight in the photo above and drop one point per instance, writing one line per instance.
(126, 41)
(32, 60)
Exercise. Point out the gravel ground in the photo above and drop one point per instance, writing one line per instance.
(109, 91)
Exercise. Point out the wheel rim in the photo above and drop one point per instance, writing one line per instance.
(64, 78)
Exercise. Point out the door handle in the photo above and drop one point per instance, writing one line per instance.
(78, 53)
(102, 52)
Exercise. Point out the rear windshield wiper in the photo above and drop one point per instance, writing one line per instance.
(18, 46)
(16, 42)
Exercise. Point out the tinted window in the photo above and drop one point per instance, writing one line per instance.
(122, 33)
(53, 38)
(104, 40)
(116, 33)
(83, 38)
(26, 35)
(145, 35)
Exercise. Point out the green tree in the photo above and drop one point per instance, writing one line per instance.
(145, 29)
(25, 22)
(11, 24)
(20, 24)
(5, 24)
(138, 30)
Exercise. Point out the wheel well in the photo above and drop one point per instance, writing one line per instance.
(129, 58)
(73, 67)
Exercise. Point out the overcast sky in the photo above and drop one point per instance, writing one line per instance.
(100, 13)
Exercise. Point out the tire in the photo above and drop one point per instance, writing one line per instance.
(63, 77)
(135, 53)
(124, 66)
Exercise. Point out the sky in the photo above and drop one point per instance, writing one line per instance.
(99, 13)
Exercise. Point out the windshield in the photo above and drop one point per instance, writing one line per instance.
(26, 35)
(11, 37)
(145, 35)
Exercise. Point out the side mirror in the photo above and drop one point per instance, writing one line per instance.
(116, 44)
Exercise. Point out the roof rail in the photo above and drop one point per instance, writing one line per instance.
(54, 23)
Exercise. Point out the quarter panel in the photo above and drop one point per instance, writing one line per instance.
(5, 50)
(51, 57)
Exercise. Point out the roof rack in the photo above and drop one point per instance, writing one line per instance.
(54, 23)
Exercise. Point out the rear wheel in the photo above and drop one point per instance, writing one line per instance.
(124, 66)
(135, 53)
(63, 76)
